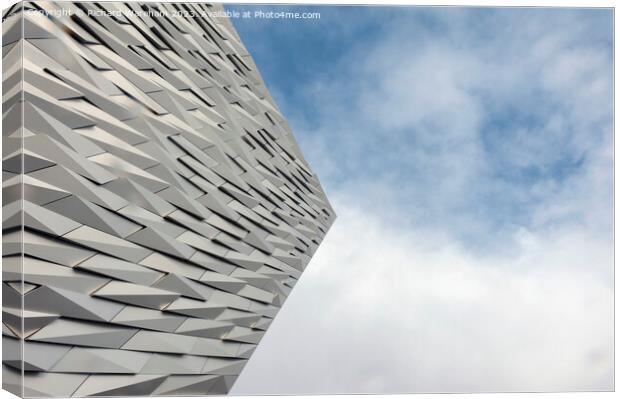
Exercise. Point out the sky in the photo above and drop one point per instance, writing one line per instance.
(468, 154)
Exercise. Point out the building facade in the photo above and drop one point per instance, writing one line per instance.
(157, 210)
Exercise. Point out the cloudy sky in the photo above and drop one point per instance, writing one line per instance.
(468, 154)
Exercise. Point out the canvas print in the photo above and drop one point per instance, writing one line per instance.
(249, 199)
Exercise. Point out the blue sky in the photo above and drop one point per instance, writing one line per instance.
(473, 150)
(328, 78)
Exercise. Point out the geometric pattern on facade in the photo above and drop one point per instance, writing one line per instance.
(161, 204)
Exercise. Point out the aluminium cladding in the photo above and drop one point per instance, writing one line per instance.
(167, 210)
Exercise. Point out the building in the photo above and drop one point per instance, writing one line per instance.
(162, 205)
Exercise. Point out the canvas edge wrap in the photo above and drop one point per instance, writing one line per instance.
(12, 179)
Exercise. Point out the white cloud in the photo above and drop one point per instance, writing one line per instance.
(470, 165)
(400, 310)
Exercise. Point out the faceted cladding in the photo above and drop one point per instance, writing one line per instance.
(167, 211)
